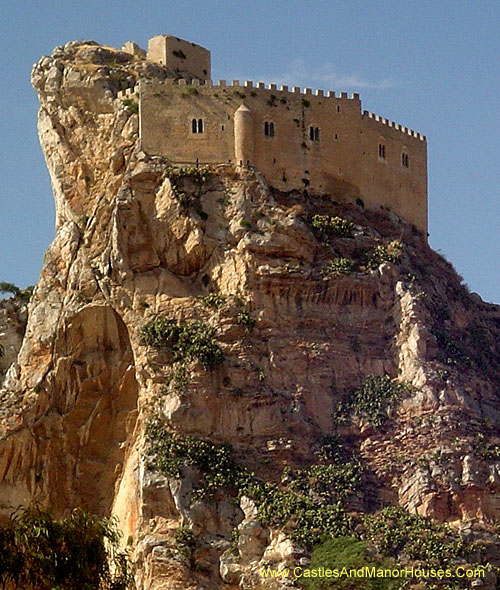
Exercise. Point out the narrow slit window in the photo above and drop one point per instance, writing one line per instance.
(381, 151)
(405, 160)
(194, 126)
(266, 128)
(311, 133)
(200, 125)
(271, 129)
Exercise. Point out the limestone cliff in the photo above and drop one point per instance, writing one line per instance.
(301, 298)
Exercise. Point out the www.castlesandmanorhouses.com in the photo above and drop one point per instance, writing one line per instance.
(373, 572)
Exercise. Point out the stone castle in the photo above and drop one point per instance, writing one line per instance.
(299, 140)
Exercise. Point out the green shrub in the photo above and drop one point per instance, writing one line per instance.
(329, 482)
(213, 300)
(187, 340)
(177, 380)
(179, 177)
(451, 350)
(305, 103)
(186, 543)
(311, 504)
(243, 318)
(192, 90)
(130, 105)
(372, 400)
(172, 452)
(305, 518)
(390, 253)
(349, 553)
(179, 53)
(80, 551)
(485, 449)
(396, 533)
(338, 266)
(331, 449)
(19, 294)
(326, 226)
(9, 288)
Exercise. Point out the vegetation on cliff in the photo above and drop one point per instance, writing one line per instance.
(80, 551)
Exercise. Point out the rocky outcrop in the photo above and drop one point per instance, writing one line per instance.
(222, 248)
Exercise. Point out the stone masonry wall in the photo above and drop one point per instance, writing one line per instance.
(343, 162)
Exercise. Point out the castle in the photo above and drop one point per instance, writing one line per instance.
(299, 140)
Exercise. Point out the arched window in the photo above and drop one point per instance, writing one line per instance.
(196, 125)
(271, 129)
(405, 160)
(266, 128)
(311, 133)
(381, 151)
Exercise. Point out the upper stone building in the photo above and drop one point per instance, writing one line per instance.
(320, 142)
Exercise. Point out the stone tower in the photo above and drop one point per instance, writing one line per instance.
(243, 136)
(181, 56)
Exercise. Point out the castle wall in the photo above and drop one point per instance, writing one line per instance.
(342, 157)
(180, 55)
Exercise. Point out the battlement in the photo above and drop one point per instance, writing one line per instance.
(249, 84)
(298, 138)
(129, 93)
(394, 125)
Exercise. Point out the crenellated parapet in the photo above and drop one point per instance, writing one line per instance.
(396, 126)
(129, 93)
(249, 85)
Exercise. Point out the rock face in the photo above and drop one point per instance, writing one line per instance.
(135, 242)
(13, 317)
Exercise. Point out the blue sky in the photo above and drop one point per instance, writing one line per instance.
(430, 65)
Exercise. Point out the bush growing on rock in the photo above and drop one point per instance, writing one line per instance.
(38, 552)
(187, 340)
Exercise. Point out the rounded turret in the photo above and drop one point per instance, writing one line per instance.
(243, 136)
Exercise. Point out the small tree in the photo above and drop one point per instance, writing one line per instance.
(9, 288)
(78, 552)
